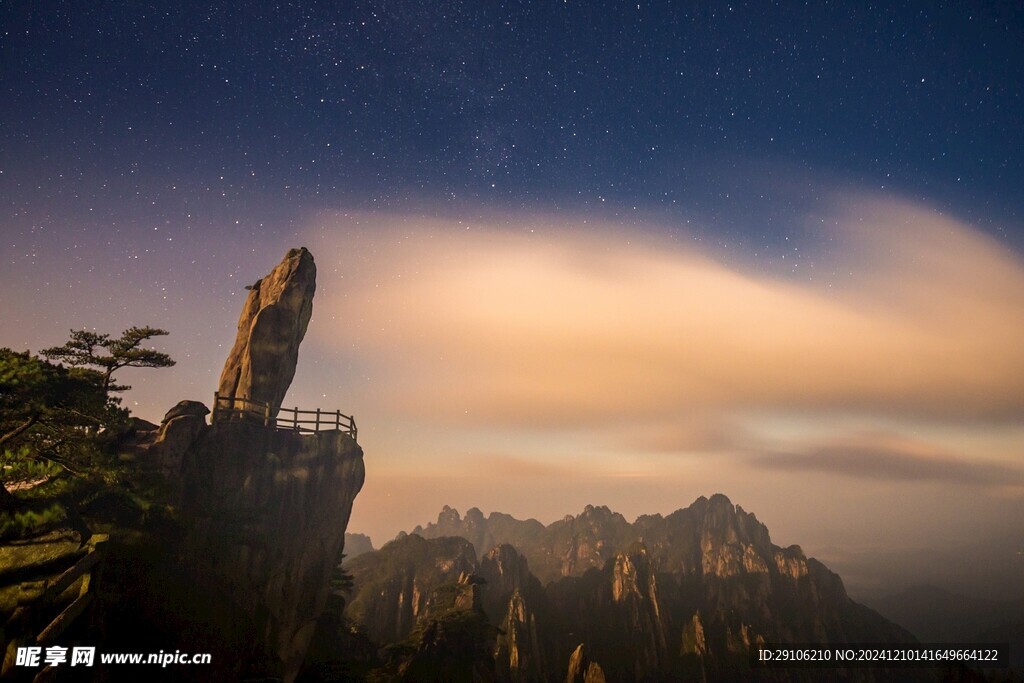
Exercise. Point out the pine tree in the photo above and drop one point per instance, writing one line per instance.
(107, 355)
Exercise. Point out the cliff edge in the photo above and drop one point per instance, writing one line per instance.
(243, 570)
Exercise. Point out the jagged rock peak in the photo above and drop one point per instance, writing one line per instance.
(719, 516)
(505, 568)
(273, 322)
(356, 545)
(447, 521)
(631, 574)
(694, 640)
(598, 511)
(505, 557)
(582, 670)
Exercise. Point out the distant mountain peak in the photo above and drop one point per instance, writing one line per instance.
(681, 596)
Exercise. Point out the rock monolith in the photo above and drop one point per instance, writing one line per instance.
(262, 362)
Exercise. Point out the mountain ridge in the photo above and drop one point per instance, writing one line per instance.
(685, 595)
(590, 538)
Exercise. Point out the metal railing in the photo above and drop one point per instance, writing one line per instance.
(287, 419)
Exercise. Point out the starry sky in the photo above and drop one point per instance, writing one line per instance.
(569, 252)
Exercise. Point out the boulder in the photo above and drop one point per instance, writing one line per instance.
(262, 362)
(179, 431)
(137, 425)
(183, 408)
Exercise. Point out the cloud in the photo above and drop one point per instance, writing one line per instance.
(891, 457)
(507, 467)
(583, 326)
(697, 432)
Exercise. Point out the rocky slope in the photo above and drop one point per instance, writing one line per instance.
(664, 598)
(394, 585)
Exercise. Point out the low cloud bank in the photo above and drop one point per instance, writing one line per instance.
(574, 325)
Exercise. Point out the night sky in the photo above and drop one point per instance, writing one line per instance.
(569, 252)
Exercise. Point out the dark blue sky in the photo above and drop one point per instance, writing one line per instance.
(662, 106)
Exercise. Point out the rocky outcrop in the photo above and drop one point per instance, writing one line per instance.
(617, 612)
(505, 572)
(273, 322)
(412, 584)
(520, 651)
(516, 602)
(581, 669)
(473, 527)
(392, 587)
(179, 429)
(455, 647)
(265, 513)
(567, 547)
(185, 409)
(711, 537)
(694, 642)
(425, 598)
(586, 541)
(635, 592)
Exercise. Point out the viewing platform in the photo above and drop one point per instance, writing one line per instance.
(227, 408)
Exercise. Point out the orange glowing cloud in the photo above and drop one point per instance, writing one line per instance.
(577, 326)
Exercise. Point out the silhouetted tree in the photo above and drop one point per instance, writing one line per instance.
(56, 419)
(49, 413)
(84, 350)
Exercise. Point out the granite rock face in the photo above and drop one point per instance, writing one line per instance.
(515, 601)
(262, 362)
(179, 429)
(396, 584)
(582, 670)
(617, 613)
(245, 567)
(266, 513)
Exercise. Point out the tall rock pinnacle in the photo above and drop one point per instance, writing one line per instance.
(262, 362)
